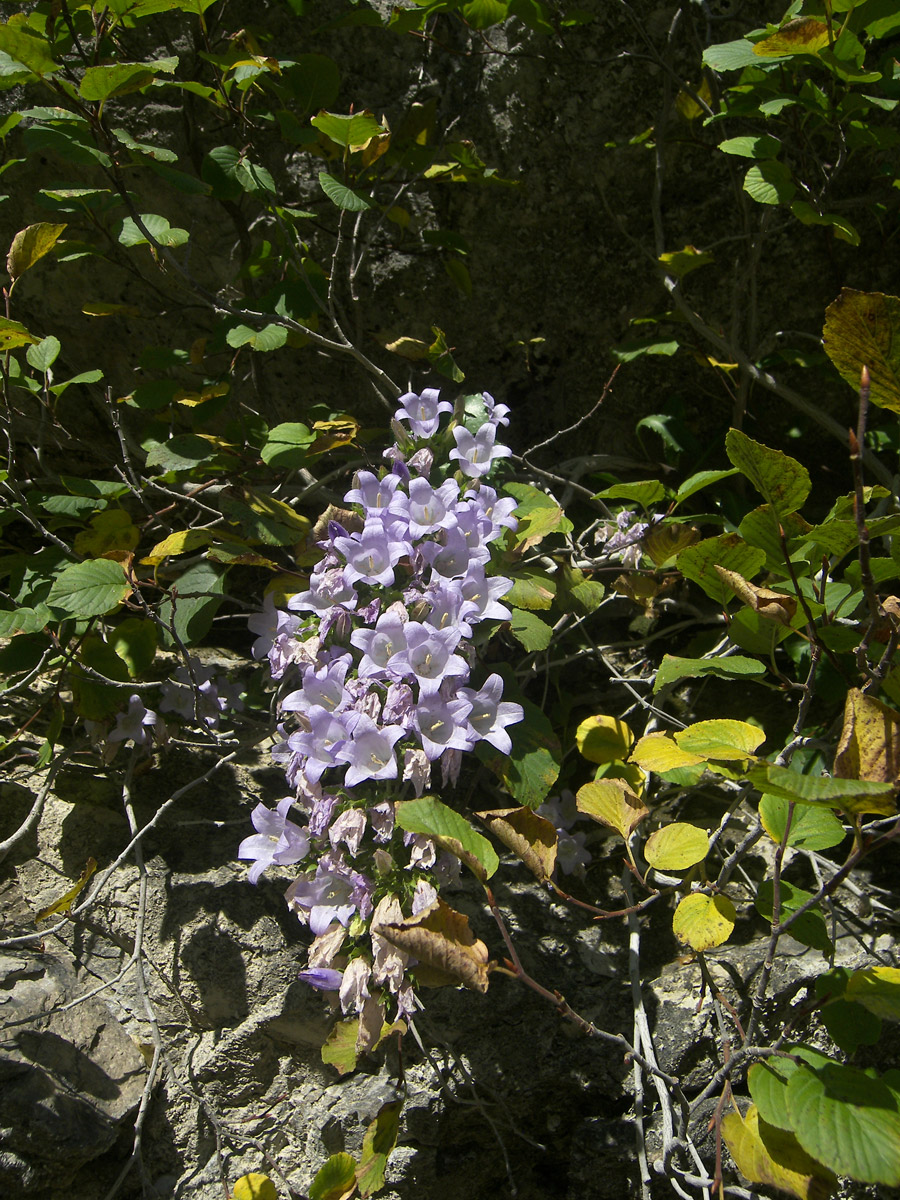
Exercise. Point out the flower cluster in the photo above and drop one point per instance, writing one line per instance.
(376, 658)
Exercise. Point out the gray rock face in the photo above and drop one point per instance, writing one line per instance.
(68, 1076)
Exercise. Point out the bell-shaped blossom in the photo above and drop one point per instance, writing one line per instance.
(277, 840)
(449, 557)
(320, 743)
(135, 724)
(423, 411)
(442, 724)
(476, 452)
(429, 656)
(327, 588)
(382, 645)
(334, 893)
(326, 979)
(431, 508)
(490, 714)
(377, 496)
(372, 555)
(370, 752)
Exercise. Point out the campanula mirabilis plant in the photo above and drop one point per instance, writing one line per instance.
(380, 681)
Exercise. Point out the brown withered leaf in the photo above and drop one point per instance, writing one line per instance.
(869, 747)
(890, 606)
(350, 520)
(774, 606)
(663, 542)
(612, 803)
(531, 838)
(440, 938)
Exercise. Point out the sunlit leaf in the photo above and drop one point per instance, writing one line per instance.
(30, 245)
(877, 989)
(659, 752)
(603, 739)
(89, 589)
(441, 939)
(532, 838)
(254, 1187)
(336, 1178)
(676, 847)
(612, 803)
(379, 1141)
(704, 922)
(779, 1162)
(453, 832)
(804, 35)
(728, 550)
(813, 827)
(673, 668)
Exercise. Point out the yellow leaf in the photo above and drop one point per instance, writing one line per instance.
(727, 741)
(179, 542)
(877, 989)
(64, 903)
(704, 921)
(29, 245)
(659, 752)
(804, 35)
(408, 347)
(612, 803)
(676, 847)
(779, 1162)
(111, 532)
(255, 1187)
(869, 747)
(603, 739)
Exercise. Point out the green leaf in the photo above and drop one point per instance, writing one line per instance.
(270, 337)
(352, 131)
(770, 182)
(863, 329)
(877, 989)
(192, 602)
(380, 1139)
(530, 631)
(730, 56)
(159, 229)
(700, 480)
(850, 1025)
(759, 146)
(809, 928)
(645, 492)
(89, 589)
(23, 620)
(531, 768)
(99, 83)
(782, 481)
(812, 827)
(576, 594)
(852, 795)
(134, 641)
(533, 590)
(30, 245)
(180, 453)
(453, 832)
(805, 213)
(629, 351)
(728, 550)
(26, 48)
(341, 195)
(672, 668)
(676, 847)
(481, 14)
(768, 1087)
(336, 1179)
(44, 354)
(314, 81)
(537, 513)
(848, 1120)
(285, 445)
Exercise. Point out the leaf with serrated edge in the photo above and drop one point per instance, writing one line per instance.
(659, 752)
(877, 989)
(781, 480)
(672, 668)
(532, 838)
(340, 1046)
(850, 795)
(612, 803)
(440, 938)
(861, 329)
(430, 817)
(869, 746)
(704, 921)
(848, 1120)
(813, 827)
(794, 1172)
(724, 740)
